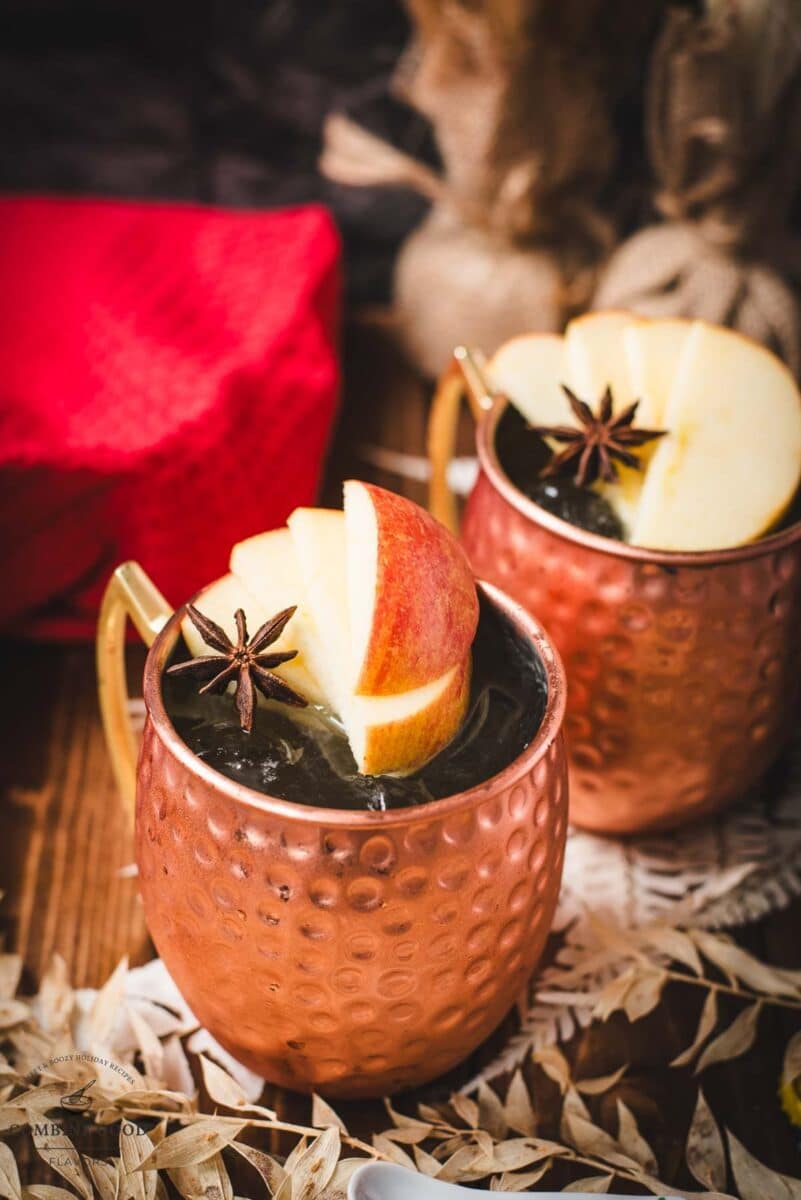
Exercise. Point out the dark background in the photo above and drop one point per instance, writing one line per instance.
(219, 103)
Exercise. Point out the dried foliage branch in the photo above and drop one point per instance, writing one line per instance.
(130, 1057)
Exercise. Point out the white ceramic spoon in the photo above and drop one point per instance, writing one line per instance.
(385, 1181)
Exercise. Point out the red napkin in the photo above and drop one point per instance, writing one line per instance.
(168, 380)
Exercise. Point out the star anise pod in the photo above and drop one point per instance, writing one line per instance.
(598, 443)
(245, 661)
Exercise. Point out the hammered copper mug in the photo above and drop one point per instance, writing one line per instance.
(350, 952)
(683, 669)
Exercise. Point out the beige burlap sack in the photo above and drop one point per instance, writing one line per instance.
(723, 127)
(519, 94)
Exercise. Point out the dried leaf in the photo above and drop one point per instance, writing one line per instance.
(426, 1163)
(55, 1148)
(614, 995)
(221, 1086)
(674, 944)
(106, 1006)
(12, 1117)
(445, 1148)
(313, 1171)
(754, 1180)
(297, 1152)
(644, 994)
(737, 963)
(555, 1065)
(150, 1046)
(38, 1099)
(337, 1187)
(409, 1135)
(105, 1176)
(573, 1103)
(631, 1140)
(520, 1181)
(734, 1041)
(207, 1180)
(518, 1109)
(9, 1175)
(10, 972)
(13, 1012)
(591, 1139)
(392, 1152)
(403, 1121)
(465, 1108)
(135, 1149)
(516, 1153)
(56, 998)
(596, 1087)
(323, 1114)
(705, 1154)
(227, 1091)
(592, 1183)
(193, 1144)
(791, 1066)
(490, 1112)
(707, 1022)
(457, 1169)
(271, 1172)
(46, 1191)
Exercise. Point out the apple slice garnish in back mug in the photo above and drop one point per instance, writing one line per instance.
(709, 458)
(383, 681)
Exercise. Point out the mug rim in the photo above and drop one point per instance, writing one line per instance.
(354, 818)
(490, 463)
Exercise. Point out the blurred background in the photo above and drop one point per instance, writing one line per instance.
(211, 213)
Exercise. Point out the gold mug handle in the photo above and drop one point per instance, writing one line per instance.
(464, 377)
(129, 593)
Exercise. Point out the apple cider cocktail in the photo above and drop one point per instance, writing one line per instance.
(385, 682)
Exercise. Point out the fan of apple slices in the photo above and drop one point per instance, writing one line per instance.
(386, 615)
(730, 463)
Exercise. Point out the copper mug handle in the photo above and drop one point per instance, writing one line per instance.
(129, 593)
(463, 378)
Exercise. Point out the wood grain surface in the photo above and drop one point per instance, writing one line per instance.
(66, 842)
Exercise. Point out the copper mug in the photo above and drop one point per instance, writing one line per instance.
(683, 669)
(351, 952)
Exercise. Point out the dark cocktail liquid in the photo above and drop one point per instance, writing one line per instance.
(304, 756)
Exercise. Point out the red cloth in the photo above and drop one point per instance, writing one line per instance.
(168, 379)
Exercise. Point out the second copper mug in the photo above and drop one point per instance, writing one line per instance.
(683, 669)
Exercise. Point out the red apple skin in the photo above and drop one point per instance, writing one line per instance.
(401, 747)
(426, 606)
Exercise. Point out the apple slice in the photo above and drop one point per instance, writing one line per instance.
(597, 360)
(530, 370)
(318, 539)
(221, 599)
(412, 603)
(399, 734)
(594, 347)
(653, 350)
(394, 733)
(731, 462)
(268, 567)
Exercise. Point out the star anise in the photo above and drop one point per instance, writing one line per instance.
(598, 443)
(245, 661)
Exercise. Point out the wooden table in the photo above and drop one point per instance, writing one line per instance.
(65, 841)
